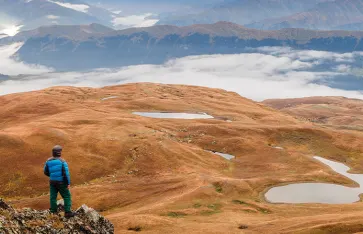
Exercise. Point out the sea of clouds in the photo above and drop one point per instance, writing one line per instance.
(264, 73)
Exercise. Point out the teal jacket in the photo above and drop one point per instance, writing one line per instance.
(57, 170)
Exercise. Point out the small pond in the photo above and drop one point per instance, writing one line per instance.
(170, 115)
(319, 192)
(278, 147)
(107, 98)
(226, 156)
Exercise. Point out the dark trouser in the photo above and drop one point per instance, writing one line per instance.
(64, 192)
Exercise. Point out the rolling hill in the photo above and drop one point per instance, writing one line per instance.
(155, 174)
(339, 112)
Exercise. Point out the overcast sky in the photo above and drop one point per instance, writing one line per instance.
(156, 6)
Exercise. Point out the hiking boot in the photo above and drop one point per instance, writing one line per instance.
(53, 213)
(69, 215)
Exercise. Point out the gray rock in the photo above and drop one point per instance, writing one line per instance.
(27, 220)
(89, 213)
(3, 205)
(60, 205)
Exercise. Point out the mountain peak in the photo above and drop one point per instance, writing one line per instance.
(227, 24)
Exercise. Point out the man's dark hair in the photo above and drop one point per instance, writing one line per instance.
(57, 151)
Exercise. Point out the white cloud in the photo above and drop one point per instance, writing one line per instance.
(343, 68)
(117, 12)
(255, 75)
(52, 17)
(77, 7)
(308, 55)
(9, 66)
(135, 21)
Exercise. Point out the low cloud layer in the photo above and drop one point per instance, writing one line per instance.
(10, 66)
(262, 74)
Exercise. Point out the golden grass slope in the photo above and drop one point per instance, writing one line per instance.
(337, 111)
(156, 175)
(98, 132)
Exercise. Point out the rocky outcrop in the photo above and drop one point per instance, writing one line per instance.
(27, 220)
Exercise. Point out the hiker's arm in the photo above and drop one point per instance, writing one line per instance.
(46, 170)
(67, 176)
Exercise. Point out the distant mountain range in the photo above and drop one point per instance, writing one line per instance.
(72, 32)
(339, 14)
(243, 11)
(22, 15)
(3, 77)
(278, 14)
(74, 48)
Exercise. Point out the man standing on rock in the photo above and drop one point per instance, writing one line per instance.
(56, 168)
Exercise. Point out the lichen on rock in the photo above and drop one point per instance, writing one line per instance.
(27, 220)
